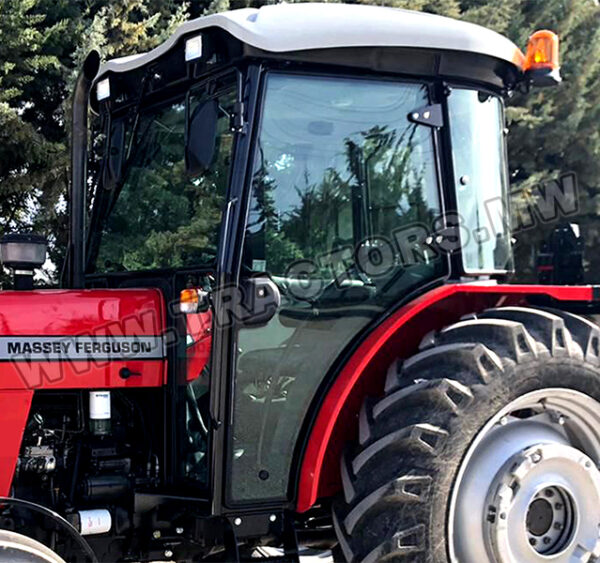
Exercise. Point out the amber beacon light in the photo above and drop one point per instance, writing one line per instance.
(542, 65)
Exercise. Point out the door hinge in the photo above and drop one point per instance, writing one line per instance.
(238, 123)
(431, 115)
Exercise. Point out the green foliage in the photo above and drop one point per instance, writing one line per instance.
(42, 43)
(128, 27)
(556, 131)
(164, 217)
(503, 16)
(32, 156)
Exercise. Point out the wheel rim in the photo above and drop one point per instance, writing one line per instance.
(528, 489)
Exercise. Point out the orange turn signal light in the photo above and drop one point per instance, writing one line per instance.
(542, 51)
(188, 301)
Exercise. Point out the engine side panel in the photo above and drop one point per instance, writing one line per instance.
(55, 339)
(365, 371)
(14, 410)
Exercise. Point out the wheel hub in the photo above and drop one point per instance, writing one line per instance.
(528, 490)
(542, 504)
(550, 520)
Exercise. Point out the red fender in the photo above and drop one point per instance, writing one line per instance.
(398, 336)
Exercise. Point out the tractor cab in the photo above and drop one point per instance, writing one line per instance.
(301, 171)
(312, 190)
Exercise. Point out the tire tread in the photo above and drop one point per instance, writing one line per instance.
(405, 434)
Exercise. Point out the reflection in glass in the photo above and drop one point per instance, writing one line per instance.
(158, 216)
(343, 189)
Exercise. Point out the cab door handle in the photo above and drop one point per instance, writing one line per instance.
(260, 301)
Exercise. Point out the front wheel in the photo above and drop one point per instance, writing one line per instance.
(17, 548)
(485, 448)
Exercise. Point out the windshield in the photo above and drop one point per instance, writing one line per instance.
(153, 214)
(480, 170)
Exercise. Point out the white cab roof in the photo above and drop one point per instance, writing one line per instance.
(298, 27)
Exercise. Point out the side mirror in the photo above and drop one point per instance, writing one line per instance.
(113, 172)
(22, 253)
(201, 138)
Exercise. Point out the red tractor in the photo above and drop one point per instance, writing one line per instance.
(283, 323)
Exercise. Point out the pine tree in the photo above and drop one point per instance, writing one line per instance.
(556, 130)
(42, 43)
(32, 154)
(129, 27)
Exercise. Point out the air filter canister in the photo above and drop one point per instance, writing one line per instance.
(100, 412)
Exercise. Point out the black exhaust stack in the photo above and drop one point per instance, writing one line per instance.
(79, 150)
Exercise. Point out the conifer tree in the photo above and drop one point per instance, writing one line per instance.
(42, 43)
(32, 152)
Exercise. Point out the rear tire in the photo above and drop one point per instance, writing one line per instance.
(457, 462)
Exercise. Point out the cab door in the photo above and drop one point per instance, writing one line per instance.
(341, 186)
(205, 127)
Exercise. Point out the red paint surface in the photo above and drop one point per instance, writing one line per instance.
(397, 336)
(199, 327)
(80, 375)
(78, 312)
(98, 312)
(14, 410)
(135, 312)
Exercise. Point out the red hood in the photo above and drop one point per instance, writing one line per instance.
(81, 339)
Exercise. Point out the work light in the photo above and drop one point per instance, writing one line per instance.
(193, 48)
(103, 90)
(22, 253)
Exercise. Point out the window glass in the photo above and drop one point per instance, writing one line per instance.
(158, 216)
(478, 147)
(344, 193)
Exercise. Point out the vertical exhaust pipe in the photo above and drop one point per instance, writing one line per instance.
(79, 150)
